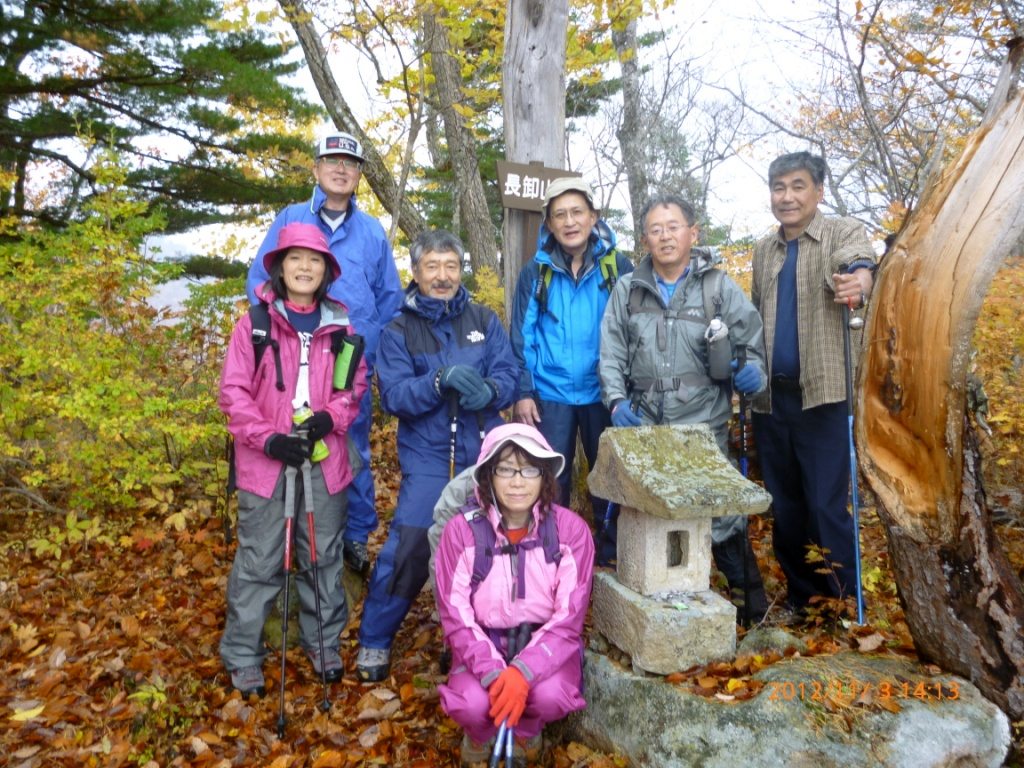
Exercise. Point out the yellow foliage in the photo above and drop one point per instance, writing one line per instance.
(999, 341)
(489, 291)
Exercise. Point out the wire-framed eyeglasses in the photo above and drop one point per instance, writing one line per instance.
(338, 160)
(507, 472)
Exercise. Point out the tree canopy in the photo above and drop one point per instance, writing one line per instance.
(205, 118)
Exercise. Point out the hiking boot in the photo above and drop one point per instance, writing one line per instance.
(373, 664)
(526, 751)
(356, 557)
(474, 753)
(248, 680)
(331, 664)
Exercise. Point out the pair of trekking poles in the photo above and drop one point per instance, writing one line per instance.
(504, 742)
(290, 473)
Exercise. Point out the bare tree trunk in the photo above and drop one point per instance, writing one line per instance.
(391, 196)
(474, 216)
(533, 91)
(632, 133)
(962, 601)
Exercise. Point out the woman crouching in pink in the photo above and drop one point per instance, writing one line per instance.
(513, 574)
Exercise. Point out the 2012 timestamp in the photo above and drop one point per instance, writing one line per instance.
(857, 690)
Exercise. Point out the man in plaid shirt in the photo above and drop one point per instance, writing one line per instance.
(804, 273)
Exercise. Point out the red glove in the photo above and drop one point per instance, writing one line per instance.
(508, 697)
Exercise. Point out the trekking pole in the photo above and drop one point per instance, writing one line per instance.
(480, 425)
(855, 323)
(307, 490)
(453, 418)
(518, 639)
(289, 518)
(499, 744)
(509, 747)
(741, 362)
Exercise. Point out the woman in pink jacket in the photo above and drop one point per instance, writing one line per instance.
(294, 375)
(514, 569)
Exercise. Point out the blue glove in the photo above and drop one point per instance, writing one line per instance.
(478, 400)
(464, 378)
(622, 416)
(747, 379)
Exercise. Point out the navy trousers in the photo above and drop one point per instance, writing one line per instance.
(402, 567)
(805, 463)
(559, 423)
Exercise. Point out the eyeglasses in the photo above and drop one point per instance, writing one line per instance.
(562, 215)
(530, 473)
(336, 160)
(672, 229)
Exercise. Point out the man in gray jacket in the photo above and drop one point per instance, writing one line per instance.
(675, 332)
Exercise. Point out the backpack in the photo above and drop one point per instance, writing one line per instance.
(484, 540)
(608, 264)
(259, 314)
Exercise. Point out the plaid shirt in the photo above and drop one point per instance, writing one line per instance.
(824, 246)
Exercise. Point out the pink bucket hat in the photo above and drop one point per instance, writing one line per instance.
(300, 235)
(523, 435)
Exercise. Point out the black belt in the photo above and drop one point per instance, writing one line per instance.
(785, 383)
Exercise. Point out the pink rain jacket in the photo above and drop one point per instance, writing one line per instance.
(256, 409)
(557, 595)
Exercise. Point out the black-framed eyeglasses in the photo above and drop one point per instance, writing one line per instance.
(337, 160)
(530, 473)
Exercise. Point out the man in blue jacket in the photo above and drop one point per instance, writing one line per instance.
(556, 328)
(370, 289)
(445, 370)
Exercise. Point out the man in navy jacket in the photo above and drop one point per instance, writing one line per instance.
(445, 369)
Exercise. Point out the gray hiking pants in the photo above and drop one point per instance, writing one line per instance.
(257, 575)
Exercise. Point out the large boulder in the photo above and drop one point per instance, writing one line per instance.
(789, 724)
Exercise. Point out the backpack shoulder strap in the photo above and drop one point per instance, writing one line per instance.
(483, 544)
(609, 264)
(636, 299)
(540, 290)
(259, 314)
(711, 285)
(549, 538)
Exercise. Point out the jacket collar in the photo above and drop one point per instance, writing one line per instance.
(433, 309)
(332, 311)
(602, 240)
(702, 259)
(319, 200)
(815, 229)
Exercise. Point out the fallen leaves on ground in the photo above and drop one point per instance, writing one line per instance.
(110, 658)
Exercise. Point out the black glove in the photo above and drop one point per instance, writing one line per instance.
(318, 426)
(290, 449)
(465, 378)
(479, 399)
